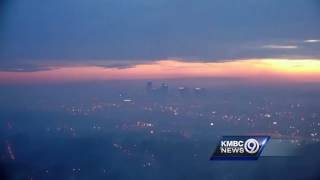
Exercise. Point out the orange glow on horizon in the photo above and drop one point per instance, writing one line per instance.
(307, 70)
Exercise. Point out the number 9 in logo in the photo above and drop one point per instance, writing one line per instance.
(251, 146)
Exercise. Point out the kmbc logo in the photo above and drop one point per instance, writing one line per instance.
(240, 147)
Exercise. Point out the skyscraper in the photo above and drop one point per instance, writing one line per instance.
(149, 87)
(164, 88)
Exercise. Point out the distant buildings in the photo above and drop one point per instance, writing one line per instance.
(149, 87)
(183, 90)
(163, 90)
(199, 91)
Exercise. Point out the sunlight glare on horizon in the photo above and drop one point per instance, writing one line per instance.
(252, 69)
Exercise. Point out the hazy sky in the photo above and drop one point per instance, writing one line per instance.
(35, 33)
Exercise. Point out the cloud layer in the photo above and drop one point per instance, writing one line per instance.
(81, 31)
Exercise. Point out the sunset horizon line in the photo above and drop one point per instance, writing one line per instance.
(266, 69)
